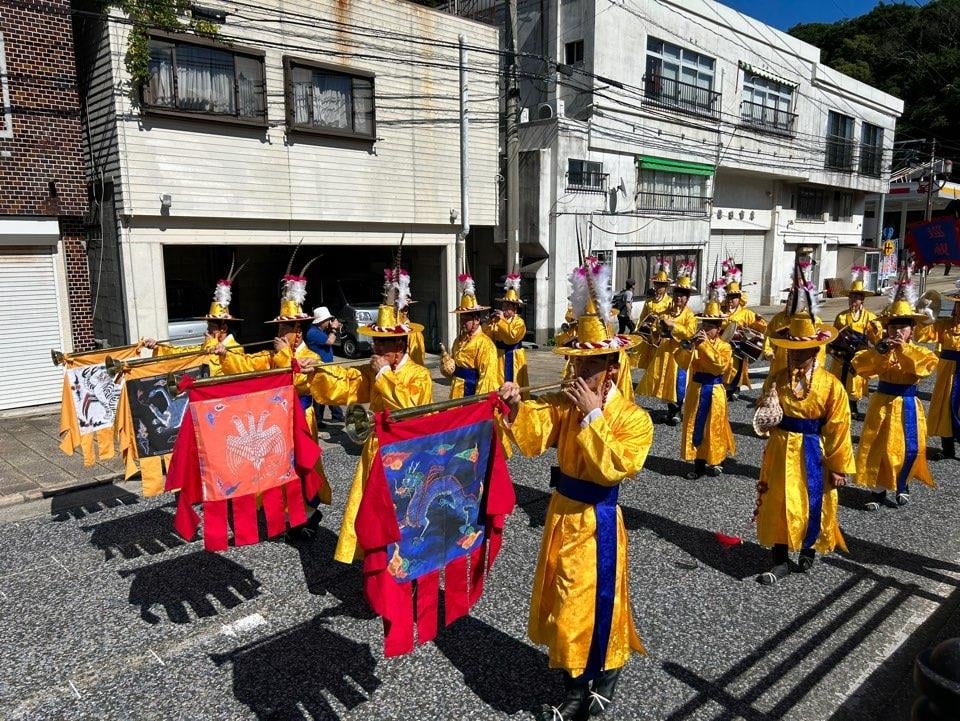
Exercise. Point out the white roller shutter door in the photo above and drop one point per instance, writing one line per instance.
(30, 325)
(746, 247)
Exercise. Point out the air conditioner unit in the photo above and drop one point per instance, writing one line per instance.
(525, 115)
(550, 109)
(826, 217)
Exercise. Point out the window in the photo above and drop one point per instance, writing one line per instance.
(811, 203)
(681, 78)
(6, 123)
(586, 175)
(329, 100)
(839, 142)
(766, 103)
(672, 192)
(842, 206)
(871, 150)
(204, 79)
(573, 53)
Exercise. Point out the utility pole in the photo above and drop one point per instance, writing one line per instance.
(464, 160)
(513, 144)
(928, 213)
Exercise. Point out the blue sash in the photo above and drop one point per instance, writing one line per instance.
(604, 501)
(910, 434)
(954, 355)
(681, 385)
(508, 350)
(810, 428)
(469, 376)
(707, 382)
(306, 401)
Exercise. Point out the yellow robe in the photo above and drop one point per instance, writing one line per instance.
(611, 448)
(234, 363)
(713, 357)
(745, 318)
(661, 378)
(867, 324)
(407, 386)
(479, 353)
(644, 354)
(946, 334)
(213, 360)
(883, 449)
(510, 332)
(782, 491)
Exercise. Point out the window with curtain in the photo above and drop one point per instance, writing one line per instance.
(329, 100)
(680, 77)
(670, 191)
(204, 79)
(839, 142)
(766, 103)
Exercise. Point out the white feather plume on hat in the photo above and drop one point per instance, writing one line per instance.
(222, 293)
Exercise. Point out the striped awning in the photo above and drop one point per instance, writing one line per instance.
(754, 70)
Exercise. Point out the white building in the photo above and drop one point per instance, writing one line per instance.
(335, 123)
(684, 128)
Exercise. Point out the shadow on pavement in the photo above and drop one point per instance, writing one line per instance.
(533, 502)
(874, 554)
(289, 675)
(80, 504)
(771, 665)
(323, 575)
(140, 534)
(740, 561)
(185, 584)
(507, 674)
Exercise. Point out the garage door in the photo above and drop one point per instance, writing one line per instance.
(746, 247)
(29, 327)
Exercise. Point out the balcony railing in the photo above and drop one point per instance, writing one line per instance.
(587, 181)
(839, 153)
(762, 117)
(871, 157)
(671, 203)
(672, 93)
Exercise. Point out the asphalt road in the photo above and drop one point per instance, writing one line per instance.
(106, 614)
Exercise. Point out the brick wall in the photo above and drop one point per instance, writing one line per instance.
(41, 166)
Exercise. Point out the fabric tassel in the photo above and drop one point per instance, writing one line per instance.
(244, 515)
(428, 604)
(215, 526)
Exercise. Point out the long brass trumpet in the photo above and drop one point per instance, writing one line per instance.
(116, 367)
(59, 357)
(173, 382)
(359, 422)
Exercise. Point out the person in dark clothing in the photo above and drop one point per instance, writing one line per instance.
(320, 338)
(623, 302)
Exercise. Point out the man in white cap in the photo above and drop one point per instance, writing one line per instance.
(320, 338)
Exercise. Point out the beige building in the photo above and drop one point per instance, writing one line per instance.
(332, 123)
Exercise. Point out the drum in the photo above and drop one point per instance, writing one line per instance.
(749, 345)
(649, 330)
(846, 344)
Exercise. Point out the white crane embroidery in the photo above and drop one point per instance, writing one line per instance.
(254, 443)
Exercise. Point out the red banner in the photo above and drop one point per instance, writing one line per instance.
(242, 442)
(434, 503)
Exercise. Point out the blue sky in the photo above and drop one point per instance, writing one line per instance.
(784, 14)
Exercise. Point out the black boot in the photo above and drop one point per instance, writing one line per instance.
(601, 695)
(673, 414)
(903, 497)
(878, 499)
(575, 706)
(805, 562)
(781, 566)
(699, 468)
(949, 447)
(854, 414)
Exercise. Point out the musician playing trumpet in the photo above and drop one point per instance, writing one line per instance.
(507, 330)
(944, 419)
(665, 378)
(736, 312)
(706, 438)
(893, 445)
(858, 327)
(471, 365)
(392, 381)
(657, 303)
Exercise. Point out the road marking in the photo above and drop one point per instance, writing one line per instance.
(247, 623)
(74, 688)
(157, 657)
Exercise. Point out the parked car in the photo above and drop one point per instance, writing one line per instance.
(184, 298)
(354, 305)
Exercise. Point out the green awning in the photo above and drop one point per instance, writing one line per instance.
(650, 162)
